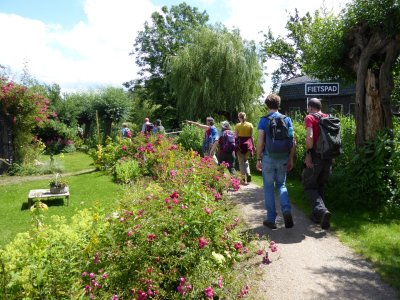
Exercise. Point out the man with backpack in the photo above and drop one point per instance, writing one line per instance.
(227, 145)
(147, 126)
(275, 151)
(323, 144)
(126, 132)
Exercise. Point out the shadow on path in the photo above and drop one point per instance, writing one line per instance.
(312, 263)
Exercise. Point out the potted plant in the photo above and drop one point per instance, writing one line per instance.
(58, 185)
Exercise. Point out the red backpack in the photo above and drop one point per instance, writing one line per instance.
(127, 133)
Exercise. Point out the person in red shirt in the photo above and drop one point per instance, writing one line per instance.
(317, 170)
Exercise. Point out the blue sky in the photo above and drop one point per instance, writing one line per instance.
(85, 44)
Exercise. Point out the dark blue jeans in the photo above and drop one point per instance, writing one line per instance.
(314, 180)
(227, 158)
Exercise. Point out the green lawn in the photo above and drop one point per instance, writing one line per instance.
(70, 162)
(374, 237)
(87, 191)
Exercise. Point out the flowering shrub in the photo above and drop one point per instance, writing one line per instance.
(22, 110)
(174, 235)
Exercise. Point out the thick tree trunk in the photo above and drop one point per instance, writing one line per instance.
(107, 127)
(386, 79)
(372, 104)
(373, 112)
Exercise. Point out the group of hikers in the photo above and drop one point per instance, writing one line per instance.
(147, 127)
(275, 150)
(237, 144)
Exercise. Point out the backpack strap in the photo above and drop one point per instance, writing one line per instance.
(317, 115)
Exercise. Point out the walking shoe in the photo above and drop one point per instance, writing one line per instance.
(248, 176)
(314, 219)
(287, 217)
(326, 220)
(269, 224)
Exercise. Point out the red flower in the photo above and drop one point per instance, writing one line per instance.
(151, 237)
(203, 242)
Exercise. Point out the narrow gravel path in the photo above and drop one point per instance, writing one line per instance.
(18, 179)
(312, 263)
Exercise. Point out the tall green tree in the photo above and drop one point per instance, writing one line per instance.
(112, 105)
(286, 50)
(361, 45)
(218, 73)
(168, 31)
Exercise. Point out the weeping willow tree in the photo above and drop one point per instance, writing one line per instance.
(218, 74)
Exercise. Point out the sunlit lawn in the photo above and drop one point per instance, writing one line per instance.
(91, 190)
(70, 162)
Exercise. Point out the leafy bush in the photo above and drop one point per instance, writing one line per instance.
(174, 235)
(46, 263)
(57, 136)
(371, 177)
(126, 170)
(191, 138)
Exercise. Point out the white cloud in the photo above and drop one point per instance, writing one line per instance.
(254, 16)
(96, 51)
(92, 52)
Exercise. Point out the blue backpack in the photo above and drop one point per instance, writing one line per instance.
(278, 136)
(228, 141)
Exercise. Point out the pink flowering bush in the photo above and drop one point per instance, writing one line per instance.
(175, 235)
(22, 111)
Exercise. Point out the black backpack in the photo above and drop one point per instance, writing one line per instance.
(329, 143)
(279, 137)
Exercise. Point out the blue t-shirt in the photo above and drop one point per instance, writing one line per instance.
(210, 136)
(264, 124)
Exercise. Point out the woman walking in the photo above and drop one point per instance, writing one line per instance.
(245, 146)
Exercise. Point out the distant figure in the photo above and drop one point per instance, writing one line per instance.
(210, 137)
(244, 146)
(147, 126)
(158, 128)
(126, 132)
(79, 131)
(227, 147)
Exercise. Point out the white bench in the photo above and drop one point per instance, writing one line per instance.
(45, 194)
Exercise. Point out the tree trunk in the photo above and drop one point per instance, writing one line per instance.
(373, 105)
(6, 146)
(107, 127)
(373, 111)
(386, 79)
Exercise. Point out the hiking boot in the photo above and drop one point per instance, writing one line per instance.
(248, 177)
(269, 224)
(314, 219)
(326, 220)
(287, 217)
